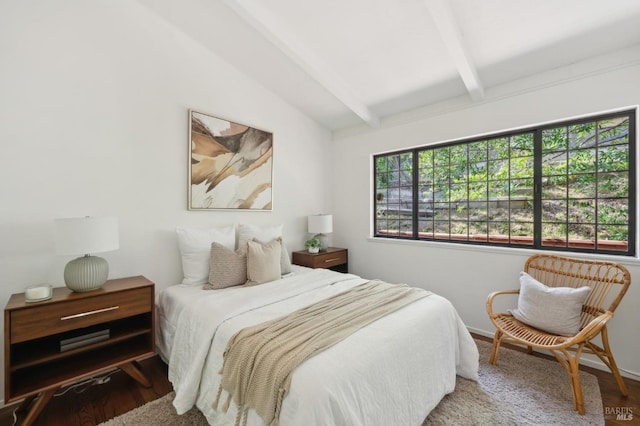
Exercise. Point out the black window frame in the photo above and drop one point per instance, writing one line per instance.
(537, 131)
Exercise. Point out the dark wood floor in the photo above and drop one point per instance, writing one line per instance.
(120, 394)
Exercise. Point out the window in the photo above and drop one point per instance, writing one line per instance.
(566, 186)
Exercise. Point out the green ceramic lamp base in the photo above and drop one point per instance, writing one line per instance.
(86, 273)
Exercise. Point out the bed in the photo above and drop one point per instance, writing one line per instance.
(393, 371)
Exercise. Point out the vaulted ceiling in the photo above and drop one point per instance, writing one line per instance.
(347, 62)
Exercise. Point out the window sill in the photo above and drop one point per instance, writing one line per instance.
(620, 246)
(514, 251)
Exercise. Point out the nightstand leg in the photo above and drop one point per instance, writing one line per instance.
(133, 370)
(37, 407)
(24, 405)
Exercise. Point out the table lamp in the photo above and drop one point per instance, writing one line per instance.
(319, 225)
(82, 236)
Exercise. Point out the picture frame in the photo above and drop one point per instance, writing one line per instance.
(230, 165)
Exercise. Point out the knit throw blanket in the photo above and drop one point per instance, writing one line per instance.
(259, 360)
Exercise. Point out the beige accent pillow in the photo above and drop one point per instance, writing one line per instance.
(264, 234)
(555, 310)
(228, 267)
(263, 261)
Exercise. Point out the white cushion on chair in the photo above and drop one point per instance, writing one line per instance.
(552, 309)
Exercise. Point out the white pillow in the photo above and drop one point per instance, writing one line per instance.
(195, 248)
(263, 261)
(552, 309)
(265, 234)
(261, 233)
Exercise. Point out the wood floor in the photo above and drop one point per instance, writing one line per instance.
(86, 406)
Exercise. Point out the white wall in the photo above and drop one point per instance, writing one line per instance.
(463, 274)
(94, 100)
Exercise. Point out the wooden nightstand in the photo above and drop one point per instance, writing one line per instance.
(34, 361)
(333, 258)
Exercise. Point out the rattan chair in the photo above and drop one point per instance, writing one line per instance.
(609, 282)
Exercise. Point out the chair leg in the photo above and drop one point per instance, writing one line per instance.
(611, 362)
(571, 364)
(497, 339)
(574, 374)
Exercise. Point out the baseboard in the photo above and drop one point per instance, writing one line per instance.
(593, 363)
(4, 406)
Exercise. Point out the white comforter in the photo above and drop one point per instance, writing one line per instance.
(394, 371)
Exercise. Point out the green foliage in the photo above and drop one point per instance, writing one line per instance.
(312, 243)
(393, 169)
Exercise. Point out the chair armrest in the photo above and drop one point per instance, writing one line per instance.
(592, 329)
(494, 295)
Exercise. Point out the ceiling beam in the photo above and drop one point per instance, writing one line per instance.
(266, 24)
(450, 33)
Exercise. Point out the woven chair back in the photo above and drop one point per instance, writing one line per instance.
(609, 281)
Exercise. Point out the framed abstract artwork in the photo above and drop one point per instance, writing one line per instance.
(231, 165)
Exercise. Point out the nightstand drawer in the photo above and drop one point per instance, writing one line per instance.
(327, 260)
(332, 258)
(48, 319)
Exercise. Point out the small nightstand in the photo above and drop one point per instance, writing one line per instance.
(333, 258)
(38, 358)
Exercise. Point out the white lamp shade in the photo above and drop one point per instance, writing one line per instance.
(86, 235)
(320, 224)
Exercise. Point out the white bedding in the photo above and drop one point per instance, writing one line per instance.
(394, 371)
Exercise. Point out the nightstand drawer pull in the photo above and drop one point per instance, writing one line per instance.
(333, 259)
(84, 314)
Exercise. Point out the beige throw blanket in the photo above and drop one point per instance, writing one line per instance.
(259, 360)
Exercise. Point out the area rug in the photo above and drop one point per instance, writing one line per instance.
(520, 390)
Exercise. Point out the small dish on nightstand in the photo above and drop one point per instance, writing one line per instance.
(38, 293)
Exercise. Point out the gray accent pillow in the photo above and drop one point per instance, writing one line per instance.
(555, 310)
(285, 259)
(227, 267)
(263, 261)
